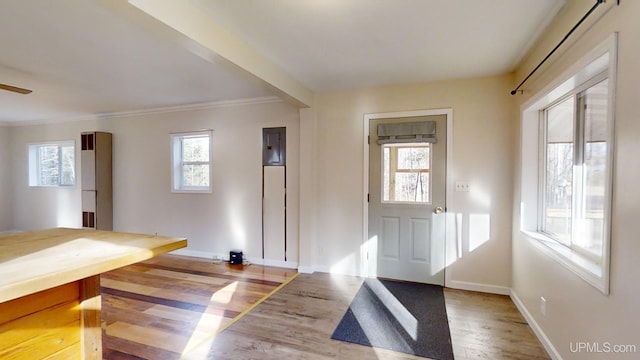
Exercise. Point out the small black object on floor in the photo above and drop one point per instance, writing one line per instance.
(399, 316)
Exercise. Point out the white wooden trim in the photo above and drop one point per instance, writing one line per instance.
(225, 257)
(546, 342)
(485, 288)
(306, 269)
(530, 206)
(150, 111)
(274, 263)
(197, 253)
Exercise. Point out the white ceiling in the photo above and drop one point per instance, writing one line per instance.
(91, 57)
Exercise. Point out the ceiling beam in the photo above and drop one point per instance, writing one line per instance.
(213, 42)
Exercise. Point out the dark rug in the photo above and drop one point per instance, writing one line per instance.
(399, 316)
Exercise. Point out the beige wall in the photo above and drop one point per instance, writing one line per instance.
(6, 213)
(483, 137)
(331, 144)
(576, 311)
(37, 208)
(214, 223)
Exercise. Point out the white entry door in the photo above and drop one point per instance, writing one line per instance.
(407, 177)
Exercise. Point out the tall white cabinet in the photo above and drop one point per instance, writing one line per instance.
(97, 183)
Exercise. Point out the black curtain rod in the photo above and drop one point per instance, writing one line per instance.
(598, 3)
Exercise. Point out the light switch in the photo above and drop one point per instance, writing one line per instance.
(462, 186)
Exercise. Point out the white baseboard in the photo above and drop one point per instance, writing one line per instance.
(306, 269)
(8, 232)
(225, 257)
(310, 269)
(551, 350)
(485, 288)
(195, 253)
(323, 269)
(275, 263)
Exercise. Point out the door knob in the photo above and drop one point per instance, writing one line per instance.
(438, 210)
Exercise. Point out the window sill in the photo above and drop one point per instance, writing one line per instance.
(586, 268)
(185, 191)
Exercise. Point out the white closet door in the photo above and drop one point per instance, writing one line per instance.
(274, 213)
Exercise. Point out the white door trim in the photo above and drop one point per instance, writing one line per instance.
(364, 249)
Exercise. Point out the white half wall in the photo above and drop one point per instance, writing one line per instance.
(228, 218)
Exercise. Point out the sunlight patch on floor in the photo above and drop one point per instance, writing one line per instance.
(209, 325)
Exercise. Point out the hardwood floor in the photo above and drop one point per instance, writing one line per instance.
(162, 307)
(154, 316)
(488, 326)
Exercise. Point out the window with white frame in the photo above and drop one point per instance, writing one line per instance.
(52, 164)
(575, 171)
(405, 173)
(567, 166)
(191, 162)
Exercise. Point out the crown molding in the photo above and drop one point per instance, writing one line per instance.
(150, 111)
(191, 107)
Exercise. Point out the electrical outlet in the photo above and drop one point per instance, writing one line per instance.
(462, 186)
(543, 306)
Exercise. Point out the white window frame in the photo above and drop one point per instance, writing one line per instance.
(588, 70)
(177, 164)
(419, 171)
(34, 163)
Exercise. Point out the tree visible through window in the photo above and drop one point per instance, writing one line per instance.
(192, 162)
(567, 170)
(52, 164)
(406, 173)
(575, 169)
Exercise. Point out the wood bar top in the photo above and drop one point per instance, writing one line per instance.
(38, 260)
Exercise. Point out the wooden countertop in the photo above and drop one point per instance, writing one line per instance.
(38, 260)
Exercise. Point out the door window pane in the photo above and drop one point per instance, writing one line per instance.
(405, 173)
(413, 158)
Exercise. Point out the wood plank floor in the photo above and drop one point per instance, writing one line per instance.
(162, 307)
(294, 323)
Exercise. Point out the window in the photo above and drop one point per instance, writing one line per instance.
(576, 164)
(405, 175)
(52, 164)
(567, 166)
(191, 159)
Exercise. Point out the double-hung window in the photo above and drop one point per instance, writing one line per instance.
(191, 162)
(567, 152)
(52, 164)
